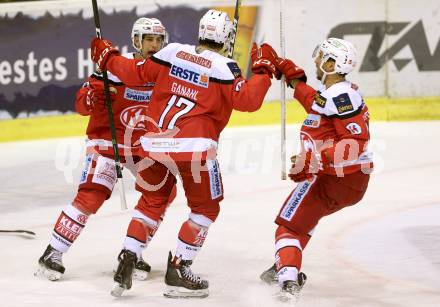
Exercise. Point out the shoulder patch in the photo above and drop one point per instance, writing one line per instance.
(235, 70)
(343, 103)
(320, 100)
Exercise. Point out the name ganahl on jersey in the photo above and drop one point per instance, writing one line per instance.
(135, 117)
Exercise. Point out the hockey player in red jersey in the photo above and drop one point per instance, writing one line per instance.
(333, 166)
(99, 174)
(196, 90)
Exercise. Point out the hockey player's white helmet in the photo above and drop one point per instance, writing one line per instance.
(341, 51)
(151, 26)
(215, 26)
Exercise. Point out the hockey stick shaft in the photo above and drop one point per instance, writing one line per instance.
(283, 95)
(234, 29)
(111, 121)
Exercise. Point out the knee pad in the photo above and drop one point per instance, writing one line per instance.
(89, 201)
(210, 211)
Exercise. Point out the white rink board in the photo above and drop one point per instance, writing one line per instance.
(382, 252)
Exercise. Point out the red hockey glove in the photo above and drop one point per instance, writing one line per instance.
(101, 51)
(95, 98)
(263, 60)
(304, 167)
(290, 70)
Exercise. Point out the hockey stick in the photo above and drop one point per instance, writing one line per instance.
(108, 104)
(18, 231)
(234, 29)
(283, 95)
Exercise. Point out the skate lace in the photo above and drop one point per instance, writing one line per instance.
(189, 275)
(56, 257)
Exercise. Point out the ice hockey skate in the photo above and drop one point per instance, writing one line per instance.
(182, 282)
(51, 265)
(141, 269)
(290, 290)
(270, 275)
(124, 274)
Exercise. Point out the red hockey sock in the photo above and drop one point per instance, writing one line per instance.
(136, 239)
(139, 232)
(191, 238)
(288, 255)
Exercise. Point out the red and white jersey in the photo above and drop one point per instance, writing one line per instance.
(194, 96)
(130, 105)
(337, 117)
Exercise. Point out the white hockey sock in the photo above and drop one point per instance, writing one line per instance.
(287, 273)
(67, 228)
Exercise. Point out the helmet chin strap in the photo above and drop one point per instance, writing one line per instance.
(325, 73)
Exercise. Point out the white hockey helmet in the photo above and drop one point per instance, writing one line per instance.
(151, 26)
(215, 26)
(341, 51)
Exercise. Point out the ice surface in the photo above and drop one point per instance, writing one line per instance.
(381, 252)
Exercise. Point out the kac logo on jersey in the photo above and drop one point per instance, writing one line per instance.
(189, 76)
(134, 117)
(354, 128)
(312, 121)
(136, 95)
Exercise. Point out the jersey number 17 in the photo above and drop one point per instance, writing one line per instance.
(178, 102)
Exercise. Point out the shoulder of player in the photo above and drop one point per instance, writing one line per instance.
(219, 68)
(225, 70)
(166, 54)
(341, 100)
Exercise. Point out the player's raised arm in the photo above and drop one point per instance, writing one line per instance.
(129, 71)
(296, 78)
(248, 95)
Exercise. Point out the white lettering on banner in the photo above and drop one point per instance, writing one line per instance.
(184, 91)
(85, 65)
(45, 70)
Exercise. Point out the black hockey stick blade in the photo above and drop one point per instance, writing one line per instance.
(18, 231)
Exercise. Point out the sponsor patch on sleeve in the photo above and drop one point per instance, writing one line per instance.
(233, 67)
(343, 103)
(319, 100)
(312, 121)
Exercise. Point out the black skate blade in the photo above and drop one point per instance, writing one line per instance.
(140, 275)
(43, 272)
(181, 292)
(270, 276)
